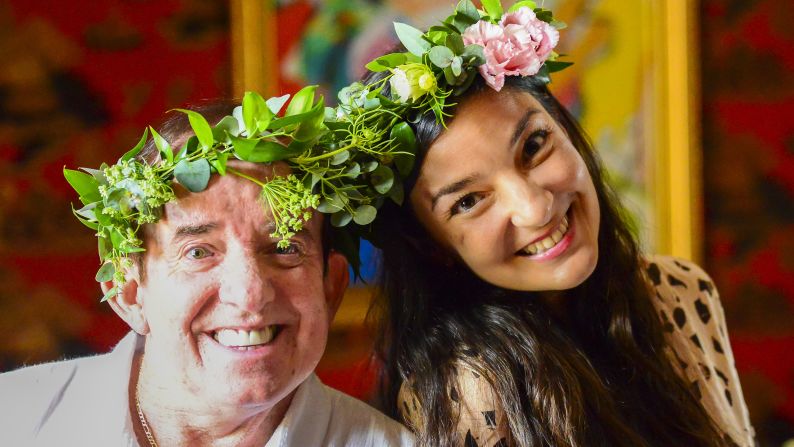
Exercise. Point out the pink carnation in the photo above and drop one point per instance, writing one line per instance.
(518, 46)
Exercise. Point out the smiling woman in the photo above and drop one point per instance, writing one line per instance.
(515, 307)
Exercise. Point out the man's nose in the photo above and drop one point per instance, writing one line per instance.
(527, 204)
(245, 284)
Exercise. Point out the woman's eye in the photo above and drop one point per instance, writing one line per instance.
(197, 253)
(534, 144)
(465, 204)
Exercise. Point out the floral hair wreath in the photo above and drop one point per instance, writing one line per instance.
(346, 161)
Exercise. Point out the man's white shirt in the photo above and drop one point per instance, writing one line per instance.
(85, 402)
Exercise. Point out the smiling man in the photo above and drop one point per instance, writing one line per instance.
(227, 328)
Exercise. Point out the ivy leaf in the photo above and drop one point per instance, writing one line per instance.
(455, 43)
(312, 125)
(111, 293)
(193, 175)
(397, 193)
(467, 12)
(302, 101)
(441, 56)
(163, 146)
(526, 3)
(386, 62)
(276, 103)
(411, 38)
(87, 186)
(90, 222)
(226, 128)
(365, 214)
(382, 179)
(220, 163)
(493, 8)
(105, 273)
(200, 127)
(403, 140)
(555, 66)
(135, 150)
(341, 218)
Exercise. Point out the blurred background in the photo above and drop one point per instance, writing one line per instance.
(691, 104)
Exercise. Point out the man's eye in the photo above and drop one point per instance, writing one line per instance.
(291, 249)
(534, 144)
(197, 253)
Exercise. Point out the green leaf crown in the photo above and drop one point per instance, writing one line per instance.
(346, 161)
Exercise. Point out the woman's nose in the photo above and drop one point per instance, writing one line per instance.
(244, 284)
(527, 203)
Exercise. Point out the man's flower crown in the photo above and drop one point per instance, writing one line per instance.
(346, 161)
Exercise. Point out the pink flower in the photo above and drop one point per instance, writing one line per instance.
(518, 46)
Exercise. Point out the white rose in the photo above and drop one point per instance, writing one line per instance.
(400, 85)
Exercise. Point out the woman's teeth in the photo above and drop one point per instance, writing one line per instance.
(549, 242)
(239, 338)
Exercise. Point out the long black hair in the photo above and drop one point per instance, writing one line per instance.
(602, 378)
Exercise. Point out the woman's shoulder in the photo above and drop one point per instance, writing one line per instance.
(694, 322)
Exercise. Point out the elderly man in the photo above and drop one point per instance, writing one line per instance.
(227, 328)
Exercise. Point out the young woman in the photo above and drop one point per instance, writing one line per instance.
(515, 307)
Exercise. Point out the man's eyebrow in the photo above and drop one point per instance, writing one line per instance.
(521, 125)
(185, 231)
(451, 189)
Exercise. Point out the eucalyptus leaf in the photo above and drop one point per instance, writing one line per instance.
(475, 54)
(226, 127)
(135, 150)
(456, 65)
(302, 101)
(369, 166)
(441, 56)
(106, 272)
(365, 214)
(352, 171)
(340, 158)
(200, 127)
(275, 104)
(341, 218)
(332, 204)
(97, 174)
(411, 38)
(90, 223)
(103, 246)
(193, 175)
(382, 179)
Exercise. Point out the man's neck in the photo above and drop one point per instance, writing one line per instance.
(174, 421)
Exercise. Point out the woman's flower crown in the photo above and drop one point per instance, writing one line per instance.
(346, 161)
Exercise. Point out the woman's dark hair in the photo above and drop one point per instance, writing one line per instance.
(602, 379)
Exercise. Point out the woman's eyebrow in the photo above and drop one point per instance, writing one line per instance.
(451, 189)
(522, 125)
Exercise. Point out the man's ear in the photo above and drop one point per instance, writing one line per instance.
(127, 302)
(335, 281)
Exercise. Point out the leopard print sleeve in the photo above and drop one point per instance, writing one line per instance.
(694, 322)
(480, 419)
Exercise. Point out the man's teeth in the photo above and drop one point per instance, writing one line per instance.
(240, 338)
(549, 242)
